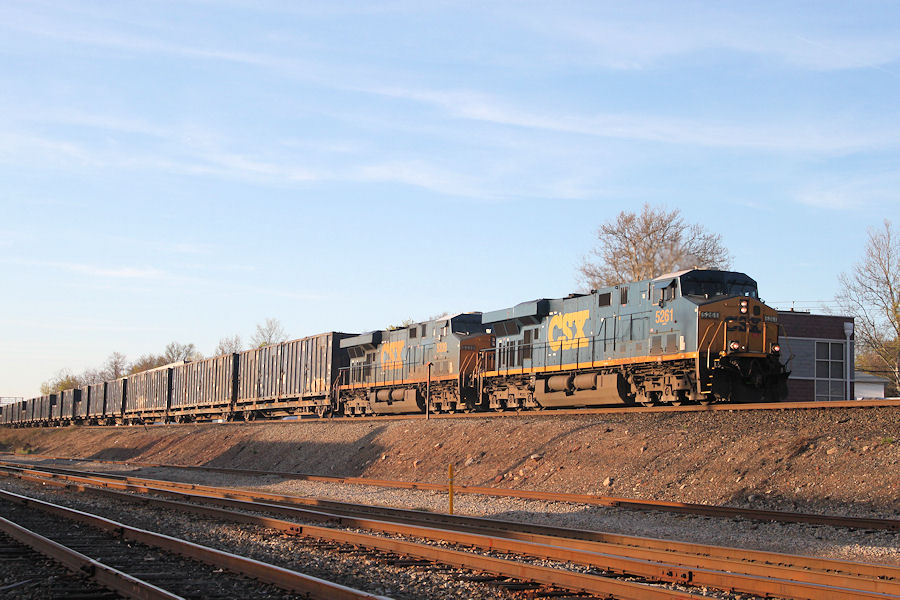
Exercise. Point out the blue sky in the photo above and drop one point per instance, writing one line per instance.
(183, 170)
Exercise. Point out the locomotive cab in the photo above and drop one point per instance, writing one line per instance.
(737, 338)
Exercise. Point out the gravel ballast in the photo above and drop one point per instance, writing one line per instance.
(835, 461)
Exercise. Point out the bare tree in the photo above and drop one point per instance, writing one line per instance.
(229, 345)
(634, 247)
(871, 293)
(116, 366)
(269, 333)
(176, 352)
(92, 376)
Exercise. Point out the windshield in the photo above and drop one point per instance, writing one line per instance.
(724, 284)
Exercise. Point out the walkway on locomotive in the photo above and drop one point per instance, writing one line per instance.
(647, 321)
(401, 356)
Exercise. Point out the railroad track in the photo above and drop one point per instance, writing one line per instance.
(26, 572)
(537, 581)
(141, 564)
(760, 573)
(728, 512)
(805, 405)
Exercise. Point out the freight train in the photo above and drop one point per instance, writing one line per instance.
(694, 336)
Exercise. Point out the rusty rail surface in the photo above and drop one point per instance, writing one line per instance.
(706, 510)
(278, 576)
(108, 577)
(581, 582)
(805, 405)
(772, 573)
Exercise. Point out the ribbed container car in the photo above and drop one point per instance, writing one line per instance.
(5, 411)
(116, 395)
(96, 405)
(46, 403)
(294, 376)
(204, 384)
(148, 393)
(260, 373)
(32, 409)
(69, 399)
(55, 407)
(81, 407)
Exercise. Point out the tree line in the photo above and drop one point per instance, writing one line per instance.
(117, 364)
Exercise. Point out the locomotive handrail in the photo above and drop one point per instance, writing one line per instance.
(711, 340)
(492, 359)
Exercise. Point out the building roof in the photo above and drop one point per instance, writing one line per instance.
(863, 377)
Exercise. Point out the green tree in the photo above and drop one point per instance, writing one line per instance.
(147, 362)
(63, 380)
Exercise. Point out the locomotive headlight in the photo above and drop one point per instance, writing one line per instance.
(743, 303)
(744, 310)
(734, 346)
(776, 348)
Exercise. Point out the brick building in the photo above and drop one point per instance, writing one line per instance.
(818, 350)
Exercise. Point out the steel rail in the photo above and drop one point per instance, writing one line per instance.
(477, 524)
(596, 584)
(714, 407)
(108, 577)
(706, 510)
(763, 579)
(278, 576)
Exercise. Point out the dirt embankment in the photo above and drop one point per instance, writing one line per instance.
(839, 460)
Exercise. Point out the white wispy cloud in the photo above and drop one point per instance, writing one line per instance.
(626, 36)
(812, 137)
(853, 192)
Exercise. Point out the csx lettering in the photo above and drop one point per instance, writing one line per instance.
(566, 331)
(392, 355)
(665, 316)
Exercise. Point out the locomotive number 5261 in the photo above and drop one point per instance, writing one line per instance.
(665, 316)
